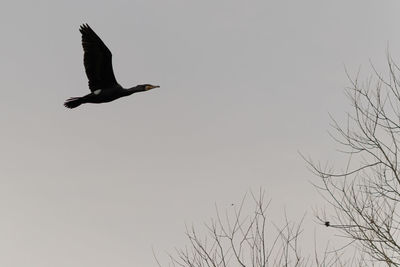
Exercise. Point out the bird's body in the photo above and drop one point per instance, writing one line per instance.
(98, 66)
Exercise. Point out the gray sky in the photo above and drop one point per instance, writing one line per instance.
(244, 86)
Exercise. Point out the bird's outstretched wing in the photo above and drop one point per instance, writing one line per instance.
(97, 60)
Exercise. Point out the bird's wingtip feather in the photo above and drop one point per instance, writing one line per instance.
(84, 26)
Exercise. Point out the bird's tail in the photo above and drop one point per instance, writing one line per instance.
(73, 102)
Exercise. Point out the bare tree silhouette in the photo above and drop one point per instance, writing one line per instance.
(239, 239)
(365, 194)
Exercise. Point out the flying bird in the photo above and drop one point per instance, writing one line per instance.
(97, 60)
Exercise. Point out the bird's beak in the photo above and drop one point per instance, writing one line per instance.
(149, 87)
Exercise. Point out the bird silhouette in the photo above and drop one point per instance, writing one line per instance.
(97, 60)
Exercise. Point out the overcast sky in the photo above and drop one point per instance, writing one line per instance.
(245, 85)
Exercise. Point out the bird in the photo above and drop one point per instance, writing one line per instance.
(97, 60)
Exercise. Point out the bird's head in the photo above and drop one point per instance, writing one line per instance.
(147, 87)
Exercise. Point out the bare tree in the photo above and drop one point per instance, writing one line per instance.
(239, 239)
(365, 194)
